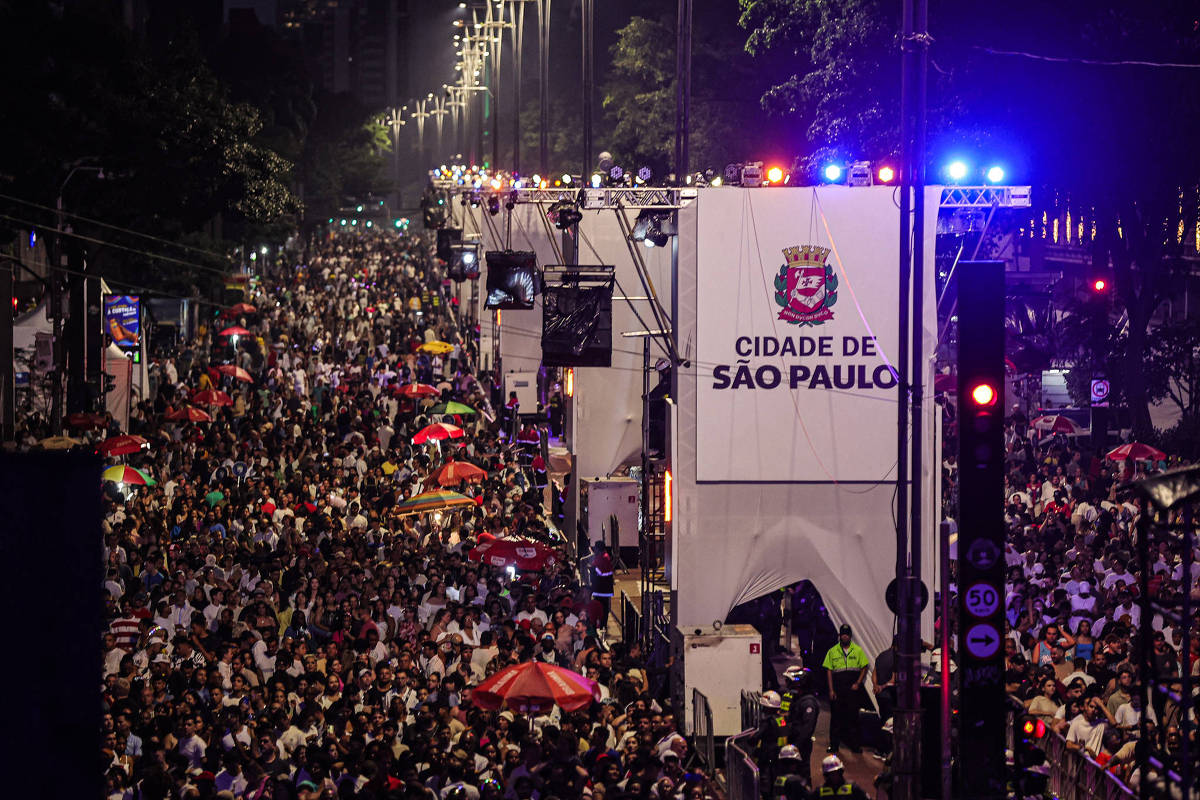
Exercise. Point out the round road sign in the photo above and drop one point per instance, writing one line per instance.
(983, 641)
(982, 600)
(983, 553)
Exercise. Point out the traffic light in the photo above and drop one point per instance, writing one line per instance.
(981, 526)
(1029, 772)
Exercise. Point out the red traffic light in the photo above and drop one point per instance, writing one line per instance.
(1099, 285)
(984, 394)
(1034, 727)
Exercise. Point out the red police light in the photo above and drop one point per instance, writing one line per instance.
(1099, 285)
(984, 394)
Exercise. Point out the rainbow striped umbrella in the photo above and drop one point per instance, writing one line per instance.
(123, 473)
(432, 501)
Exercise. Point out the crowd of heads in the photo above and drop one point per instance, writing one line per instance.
(1075, 625)
(277, 629)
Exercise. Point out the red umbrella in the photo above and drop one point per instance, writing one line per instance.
(235, 371)
(188, 414)
(535, 687)
(418, 390)
(121, 445)
(453, 473)
(85, 421)
(438, 430)
(1056, 423)
(1137, 451)
(235, 330)
(212, 397)
(520, 553)
(241, 308)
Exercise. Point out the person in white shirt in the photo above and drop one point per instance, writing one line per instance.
(1086, 732)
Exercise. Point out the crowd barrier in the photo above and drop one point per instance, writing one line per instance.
(741, 773)
(631, 620)
(1075, 776)
(702, 730)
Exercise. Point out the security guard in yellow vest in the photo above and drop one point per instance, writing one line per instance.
(846, 667)
(836, 785)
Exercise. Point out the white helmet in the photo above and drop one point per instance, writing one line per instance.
(789, 751)
(831, 764)
(770, 700)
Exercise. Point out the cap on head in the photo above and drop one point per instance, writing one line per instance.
(844, 630)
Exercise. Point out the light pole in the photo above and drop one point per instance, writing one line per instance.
(517, 29)
(543, 9)
(395, 121)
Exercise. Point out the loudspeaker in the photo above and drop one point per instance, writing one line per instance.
(53, 583)
(446, 239)
(512, 279)
(577, 325)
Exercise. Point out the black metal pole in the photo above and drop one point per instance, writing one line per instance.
(588, 44)
(518, 43)
(543, 8)
(907, 717)
(683, 87)
(8, 395)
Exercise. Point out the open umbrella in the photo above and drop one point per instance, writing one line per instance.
(188, 414)
(436, 348)
(241, 308)
(535, 687)
(519, 553)
(452, 407)
(437, 431)
(432, 501)
(234, 371)
(234, 330)
(1056, 423)
(58, 443)
(453, 473)
(1137, 451)
(212, 397)
(85, 421)
(121, 445)
(124, 474)
(418, 390)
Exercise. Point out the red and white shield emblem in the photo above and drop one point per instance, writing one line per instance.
(806, 288)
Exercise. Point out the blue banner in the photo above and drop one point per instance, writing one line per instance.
(122, 320)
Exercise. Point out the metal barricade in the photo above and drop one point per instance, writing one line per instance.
(751, 710)
(702, 730)
(1075, 776)
(741, 773)
(631, 621)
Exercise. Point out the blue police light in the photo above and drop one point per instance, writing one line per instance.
(833, 173)
(32, 239)
(956, 170)
(995, 174)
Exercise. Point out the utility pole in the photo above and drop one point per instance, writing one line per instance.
(907, 760)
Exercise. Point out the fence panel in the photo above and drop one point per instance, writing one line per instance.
(1074, 776)
(740, 770)
(702, 730)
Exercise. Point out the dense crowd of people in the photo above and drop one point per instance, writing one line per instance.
(276, 629)
(1074, 582)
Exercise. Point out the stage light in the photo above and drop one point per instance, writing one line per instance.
(716, 181)
(597, 181)
(493, 204)
(510, 202)
(342, 223)
(570, 383)
(833, 173)
(644, 174)
(616, 173)
(497, 183)
(984, 394)
(1099, 285)
(886, 174)
(995, 174)
(566, 179)
(956, 170)
(775, 175)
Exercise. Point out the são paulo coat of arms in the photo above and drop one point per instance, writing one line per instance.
(806, 287)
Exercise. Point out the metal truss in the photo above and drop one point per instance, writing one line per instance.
(588, 198)
(985, 196)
